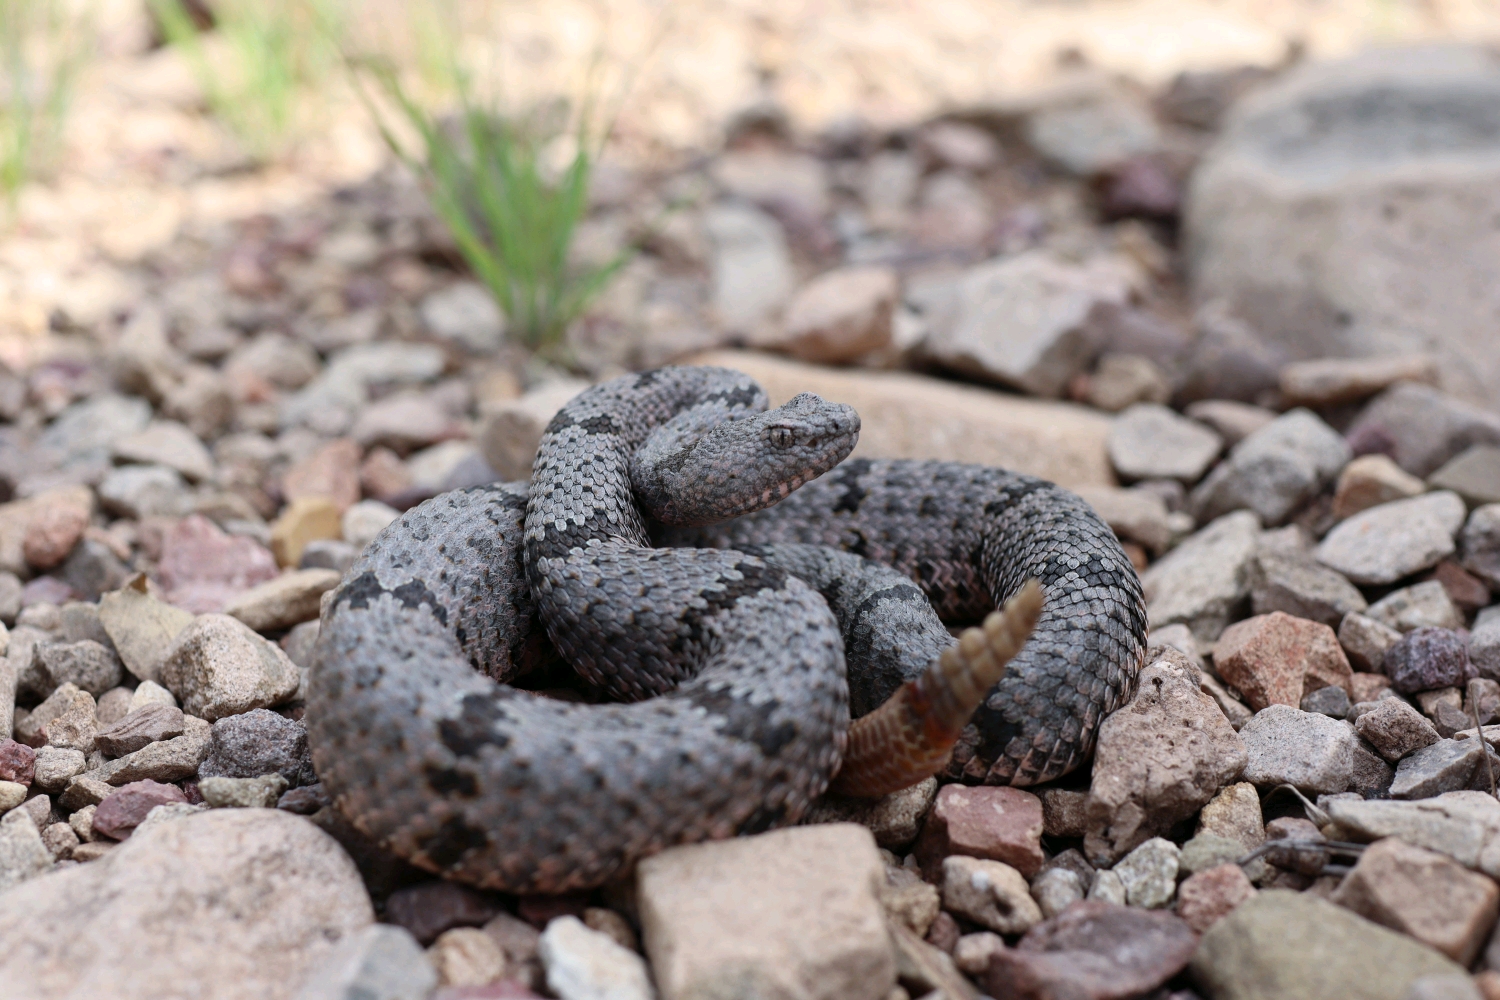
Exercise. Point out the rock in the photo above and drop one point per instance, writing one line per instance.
(583, 964)
(1107, 887)
(924, 968)
(1453, 986)
(17, 762)
(1055, 890)
(1422, 428)
(1327, 382)
(1301, 178)
(464, 313)
(326, 553)
(1149, 873)
(405, 422)
(1395, 729)
(466, 956)
(167, 760)
(89, 665)
(1136, 515)
(1444, 766)
(126, 808)
(1095, 949)
(1426, 659)
(201, 568)
(1421, 604)
(1158, 760)
(1149, 441)
(1459, 824)
(365, 520)
(1296, 946)
(519, 941)
(1302, 588)
(839, 316)
(1371, 480)
(972, 953)
(32, 729)
(278, 604)
(55, 765)
(1480, 544)
(1331, 701)
(12, 794)
(735, 911)
(217, 666)
(331, 472)
(1286, 746)
(75, 727)
(1484, 649)
(1424, 895)
(1274, 659)
(138, 491)
(1232, 421)
(260, 742)
(1024, 321)
(990, 893)
(139, 729)
(1464, 588)
(996, 823)
(1235, 814)
(84, 791)
(752, 271)
(1088, 132)
(1205, 898)
(1209, 850)
(242, 793)
(329, 401)
(910, 416)
(1385, 543)
(114, 705)
(51, 534)
(1122, 380)
(895, 820)
(60, 840)
(170, 444)
(1203, 583)
(427, 909)
(150, 693)
(1366, 641)
(1273, 471)
(377, 962)
(513, 429)
(1064, 812)
(226, 903)
(141, 627)
(23, 855)
(1474, 475)
(304, 520)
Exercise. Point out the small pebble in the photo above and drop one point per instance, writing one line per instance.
(465, 956)
(118, 816)
(1149, 873)
(990, 893)
(242, 793)
(1426, 659)
(583, 964)
(1055, 890)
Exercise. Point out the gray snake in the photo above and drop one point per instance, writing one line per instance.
(721, 645)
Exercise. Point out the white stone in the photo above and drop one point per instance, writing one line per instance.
(366, 519)
(378, 962)
(584, 964)
(1385, 543)
(465, 314)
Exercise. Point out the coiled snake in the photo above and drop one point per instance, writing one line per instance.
(722, 645)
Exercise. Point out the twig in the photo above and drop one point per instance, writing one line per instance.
(1484, 747)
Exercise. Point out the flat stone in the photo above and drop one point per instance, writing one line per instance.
(331, 472)
(1444, 766)
(140, 626)
(126, 808)
(1422, 604)
(1137, 516)
(1325, 382)
(23, 855)
(1366, 641)
(377, 962)
(1204, 582)
(839, 316)
(167, 760)
(288, 600)
(1311, 752)
(226, 903)
(1231, 420)
(1275, 659)
(464, 313)
(201, 568)
(911, 416)
(1095, 949)
(259, 742)
(990, 893)
(139, 729)
(1459, 824)
(242, 793)
(1158, 760)
(1422, 894)
(1480, 544)
(167, 443)
(1149, 873)
(304, 520)
(1331, 701)
(895, 820)
(1295, 946)
(1023, 321)
(735, 911)
(1371, 480)
(1149, 441)
(217, 666)
(1395, 729)
(1428, 659)
(1208, 850)
(1273, 471)
(1301, 587)
(512, 430)
(55, 766)
(1385, 543)
(1473, 474)
(1205, 898)
(997, 823)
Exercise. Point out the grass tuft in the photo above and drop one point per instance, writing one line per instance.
(41, 50)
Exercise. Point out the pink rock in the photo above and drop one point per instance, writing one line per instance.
(992, 822)
(52, 533)
(332, 471)
(1205, 897)
(429, 908)
(1275, 659)
(126, 807)
(202, 568)
(17, 762)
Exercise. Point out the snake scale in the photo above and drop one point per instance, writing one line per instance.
(717, 627)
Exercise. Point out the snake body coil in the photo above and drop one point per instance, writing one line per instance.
(726, 659)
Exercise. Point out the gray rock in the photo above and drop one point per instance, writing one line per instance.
(1484, 648)
(1204, 582)
(1149, 441)
(465, 314)
(584, 964)
(224, 903)
(1107, 887)
(259, 742)
(1443, 986)
(1274, 470)
(1428, 659)
(1332, 701)
(1395, 729)
(1385, 543)
(22, 854)
(1474, 475)
(1366, 640)
(290, 599)
(1300, 586)
(1208, 850)
(1372, 777)
(217, 666)
(328, 553)
(1303, 216)
(513, 429)
(990, 893)
(164, 761)
(87, 664)
(242, 793)
(1329, 382)
(1137, 515)
(1444, 766)
(139, 729)
(752, 269)
(1233, 421)
(55, 766)
(895, 820)
(1422, 428)
(1459, 824)
(91, 569)
(10, 598)
(1091, 132)
(167, 443)
(1149, 873)
(1055, 889)
(137, 491)
(378, 962)
(1422, 605)
(1286, 746)
(140, 626)
(1282, 945)
(330, 401)
(1480, 544)
(94, 424)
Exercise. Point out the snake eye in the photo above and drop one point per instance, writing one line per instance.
(780, 437)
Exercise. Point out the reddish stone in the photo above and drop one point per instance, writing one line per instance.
(996, 823)
(1093, 950)
(146, 725)
(47, 590)
(126, 807)
(202, 568)
(1205, 897)
(539, 911)
(1464, 588)
(1277, 658)
(1367, 687)
(17, 762)
(430, 908)
(384, 475)
(944, 932)
(52, 533)
(331, 472)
